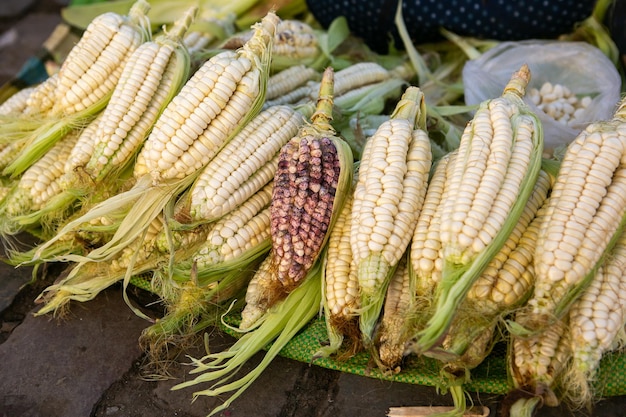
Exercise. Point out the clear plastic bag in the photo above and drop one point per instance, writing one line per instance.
(581, 67)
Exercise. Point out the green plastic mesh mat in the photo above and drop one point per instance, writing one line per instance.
(489, 377)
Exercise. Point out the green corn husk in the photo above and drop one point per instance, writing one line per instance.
(279, 325)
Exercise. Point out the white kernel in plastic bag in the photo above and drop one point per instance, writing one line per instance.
(577, 66)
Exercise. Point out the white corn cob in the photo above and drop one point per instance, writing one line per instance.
(586, 214)
(256, 302)
(93, 67)
(509, 276)
(392, 335)
(498, 161)
(80, 153)
(41, 181)
(297, 96)
(357, 75)
(210, 108)
(393, 176)
(239, 233)
(154, 74)
(287, 80)
(37, 186)
(350, 78)
(596, 325)
(42, 98)
(505, 284)
(426, 255)
(535, 364)
(17, 103)
(492, 164)
(244, 165)
(294, 40)
(340, 287)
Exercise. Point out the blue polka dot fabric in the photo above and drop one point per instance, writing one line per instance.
(494, 19)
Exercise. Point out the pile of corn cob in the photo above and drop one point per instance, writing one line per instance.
(271, 173)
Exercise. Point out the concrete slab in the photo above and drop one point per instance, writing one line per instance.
(59, 368)
(26, 41)
(12, 280)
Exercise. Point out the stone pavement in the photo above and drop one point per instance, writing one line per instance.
(89, 362)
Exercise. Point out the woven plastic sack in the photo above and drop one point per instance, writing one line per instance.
(581, 67)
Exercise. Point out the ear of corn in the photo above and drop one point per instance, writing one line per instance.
(535, 364)
(232, 242)
(218, 100)
(297, 96)
(314, 174)
(244, 165)
(586, 215)
(287, 80)
(38, 187)
(508, 278)
(41, 99)
(17, 103)
(154, 74)
(340, 288)
(9, 151)
(227, 90)
(504, 285)
(596, 326)
(393, 176)
(392, 335)
(80, 153)
(294, 40)
(425, 258)
(507, 281)
(353, 77)
(86, 80)
(358, 75)
(256, 300)
(96, 62)
(498, 162)
(426, 255)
